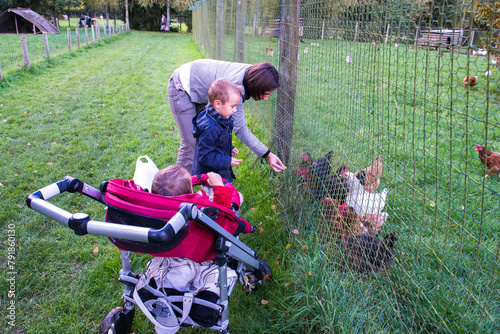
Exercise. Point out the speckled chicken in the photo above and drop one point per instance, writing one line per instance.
(370, 176)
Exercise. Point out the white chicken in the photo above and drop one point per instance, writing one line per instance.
(361, 200)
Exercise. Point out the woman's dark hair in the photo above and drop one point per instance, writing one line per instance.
(261, 78)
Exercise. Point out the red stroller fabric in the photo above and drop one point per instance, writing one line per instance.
(199, 243)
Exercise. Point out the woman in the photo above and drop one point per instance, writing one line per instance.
(188, 94)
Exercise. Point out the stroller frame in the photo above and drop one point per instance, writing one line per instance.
(227, 247)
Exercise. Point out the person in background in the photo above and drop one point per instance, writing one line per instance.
(188, 94)
(163, 23)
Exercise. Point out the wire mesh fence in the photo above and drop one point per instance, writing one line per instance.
(414, 83)
(11, 50)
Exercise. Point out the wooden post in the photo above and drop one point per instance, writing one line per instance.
(104, 30)
(323, 30)
(15, 20)
(356, 32)
(57, 22)
(26, 55)
(98, 32)
(77, 37)
(387, 33)
(69, 39)
(240, 31)
(34, 29)
(289, 52)
(416, 38)
(93, 34)
(46, 44)
(86, 35)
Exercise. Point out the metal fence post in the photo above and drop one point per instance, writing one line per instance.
(219, 28)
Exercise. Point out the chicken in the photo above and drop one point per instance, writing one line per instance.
(469, 81)
(361, 200)
(372, 222)
(344, 220)
(270, 51)
(370, 176)
(317, 185)
(491, 160)
(367, 253)
(321, 166)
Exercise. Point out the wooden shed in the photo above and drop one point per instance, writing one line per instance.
(443, 37)
(24, 21)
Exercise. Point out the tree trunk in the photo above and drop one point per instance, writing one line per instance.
(107, 15)
(168, 15)
(126, 15)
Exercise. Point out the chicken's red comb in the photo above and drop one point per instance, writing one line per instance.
(478, 148)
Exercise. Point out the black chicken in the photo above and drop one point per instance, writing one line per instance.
(367, 253)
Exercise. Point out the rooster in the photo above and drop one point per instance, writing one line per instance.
(469, 81)
(360, 199)
(491, 160)
(370, 176)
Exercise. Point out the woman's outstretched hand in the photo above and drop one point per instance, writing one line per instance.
(275, 163)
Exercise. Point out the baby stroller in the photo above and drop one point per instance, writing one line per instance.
(190, 279)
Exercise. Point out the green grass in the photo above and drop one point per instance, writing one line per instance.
(90, 114)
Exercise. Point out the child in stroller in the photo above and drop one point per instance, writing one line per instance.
(188, 282)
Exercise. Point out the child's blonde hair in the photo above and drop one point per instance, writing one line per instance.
(172, 181)
(221, 89)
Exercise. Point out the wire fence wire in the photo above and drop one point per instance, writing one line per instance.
(415, 83)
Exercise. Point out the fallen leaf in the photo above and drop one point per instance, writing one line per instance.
(295, 231)
(28, 144)
(260, 223)
(309, 273)
(35, 171)
(287, 285)
(261, 230)
(96, 250)
(54, 143)
(264, 302)
(16, 174)
(304, 248)
(287, 246)
(432, 204)
(277, 261)
(1, 185)
(273, 206)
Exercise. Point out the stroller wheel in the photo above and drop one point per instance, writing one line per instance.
(117, 321)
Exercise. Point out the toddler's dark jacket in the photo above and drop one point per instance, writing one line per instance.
(214, 145)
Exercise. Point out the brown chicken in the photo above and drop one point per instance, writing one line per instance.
(469, 81)
(490, 160)
(343, 219)
(370, 176)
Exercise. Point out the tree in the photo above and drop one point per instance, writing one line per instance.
(486, 15)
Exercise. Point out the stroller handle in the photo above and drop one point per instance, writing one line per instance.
(81, 223)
